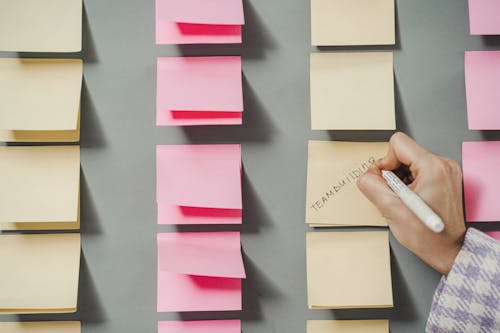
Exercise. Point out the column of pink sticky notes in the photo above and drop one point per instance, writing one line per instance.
(199, 184)
(480, 159)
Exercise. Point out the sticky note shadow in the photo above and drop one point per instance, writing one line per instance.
(256, 38)
(90, 309)
(89, 52)
(491, 40)
(89, 218)
(401, 120)
(490, 135)
(257, 124)
(404, 306)
(256, 289)
(91, 130)
(255, 216)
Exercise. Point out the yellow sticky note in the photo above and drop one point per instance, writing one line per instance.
(40, 187)
(40, 99)
(352, 91)
(41, 26)
(41, 327)
(352, 22)
(332, 196)
(39, 273)
(347, 326)
(348, 270)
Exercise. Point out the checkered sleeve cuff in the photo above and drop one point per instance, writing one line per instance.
(468, 299)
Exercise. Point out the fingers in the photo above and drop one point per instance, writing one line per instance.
(398, 216)
(374, 187)
(402, 150)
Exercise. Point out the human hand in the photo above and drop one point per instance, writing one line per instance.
(438, 181)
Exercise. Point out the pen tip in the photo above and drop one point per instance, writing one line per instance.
(435, 223)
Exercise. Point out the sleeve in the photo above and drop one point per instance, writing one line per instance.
(468, 299)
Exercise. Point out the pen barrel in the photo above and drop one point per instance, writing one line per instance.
(422, 211)
(413, 202)
(416, 205)
(394, 182)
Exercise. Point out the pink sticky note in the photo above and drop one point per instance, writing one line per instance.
(200, 326)
(199, 175)
(179, 292)
(170, 32)
(182, 293)
(494, 234)
(215, 254)
(199, 91)
(484, 17)
(482, 83)
(480, 162)
(203, 11)
(172, 214)
(200, 84)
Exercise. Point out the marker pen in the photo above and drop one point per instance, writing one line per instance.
(413, 202)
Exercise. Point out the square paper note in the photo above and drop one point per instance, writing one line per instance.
(198, 184)
(482, 84)
(203, 253)
(480, 162)
(484, 17)
(40, 187)
(200, 326)
(348, 270)
(40, 99)
(347, 326)
(199, 91)
(41, 327)
(41, 26)
(352, 91)
(352, 22)
(199, 271)
(199, 21)
(332, 197)
(39, 273)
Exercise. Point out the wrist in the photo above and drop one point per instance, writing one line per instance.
(447, 259)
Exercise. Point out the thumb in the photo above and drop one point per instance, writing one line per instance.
(402, 150)
(374, 187)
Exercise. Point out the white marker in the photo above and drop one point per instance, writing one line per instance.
(413, 202)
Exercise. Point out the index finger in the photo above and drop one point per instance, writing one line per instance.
(402, 150)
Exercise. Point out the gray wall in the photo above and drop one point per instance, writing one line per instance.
(118, 273)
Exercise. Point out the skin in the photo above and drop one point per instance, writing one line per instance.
(438, 181)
